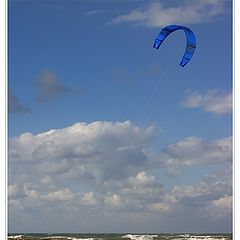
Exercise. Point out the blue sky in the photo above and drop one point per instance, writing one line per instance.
(154, 137)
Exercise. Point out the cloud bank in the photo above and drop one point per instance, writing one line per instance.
(109, 169)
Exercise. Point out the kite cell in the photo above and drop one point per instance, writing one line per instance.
(190, 37)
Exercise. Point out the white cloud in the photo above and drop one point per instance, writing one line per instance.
(81, 141)
(88, 199)
(83, 155)
(193, 150)
(114, 200)
(135, 193)
(214, 101)
(155, 14)
(207, 194)
(21, 148)
(223, 202)
(190, 151)
(142, 179)
(31, 193)
(60, 195)
(221, 207)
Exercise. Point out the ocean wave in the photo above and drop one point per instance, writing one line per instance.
(22, 237)
(16, 237)
(139, 237)
(184, 235)
(199, 237)
(206, 238)
(83, 239)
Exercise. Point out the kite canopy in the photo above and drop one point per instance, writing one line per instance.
(190, 37)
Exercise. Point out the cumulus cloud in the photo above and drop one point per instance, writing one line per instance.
(16, 106)
(114, 200)
(155, 14)
(21, 147)
(89, 199)
(134, 193)
(60, 195)
(97, 151)
(177, 158)
(214, 101)
(221, 208)
(223, 202)
(209, 196)
(193, 150)
(142, 179)
(209, 192)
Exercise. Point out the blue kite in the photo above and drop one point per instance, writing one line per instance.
(190, 37)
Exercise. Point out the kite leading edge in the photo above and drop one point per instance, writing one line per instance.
(190, 37)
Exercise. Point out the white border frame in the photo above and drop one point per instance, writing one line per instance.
(3, 118)
(236, 120)
(4, 126)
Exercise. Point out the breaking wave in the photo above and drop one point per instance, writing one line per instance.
(140, 237)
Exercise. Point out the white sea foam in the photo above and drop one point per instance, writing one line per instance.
(69, 238)
(206, 238)
(15, 237)
(140, 237)
(184, 235)
(57, 237)
(199, 237)
(82, 239)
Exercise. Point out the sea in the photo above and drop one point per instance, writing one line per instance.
(81, 236)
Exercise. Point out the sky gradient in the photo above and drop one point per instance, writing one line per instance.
(108, 134)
